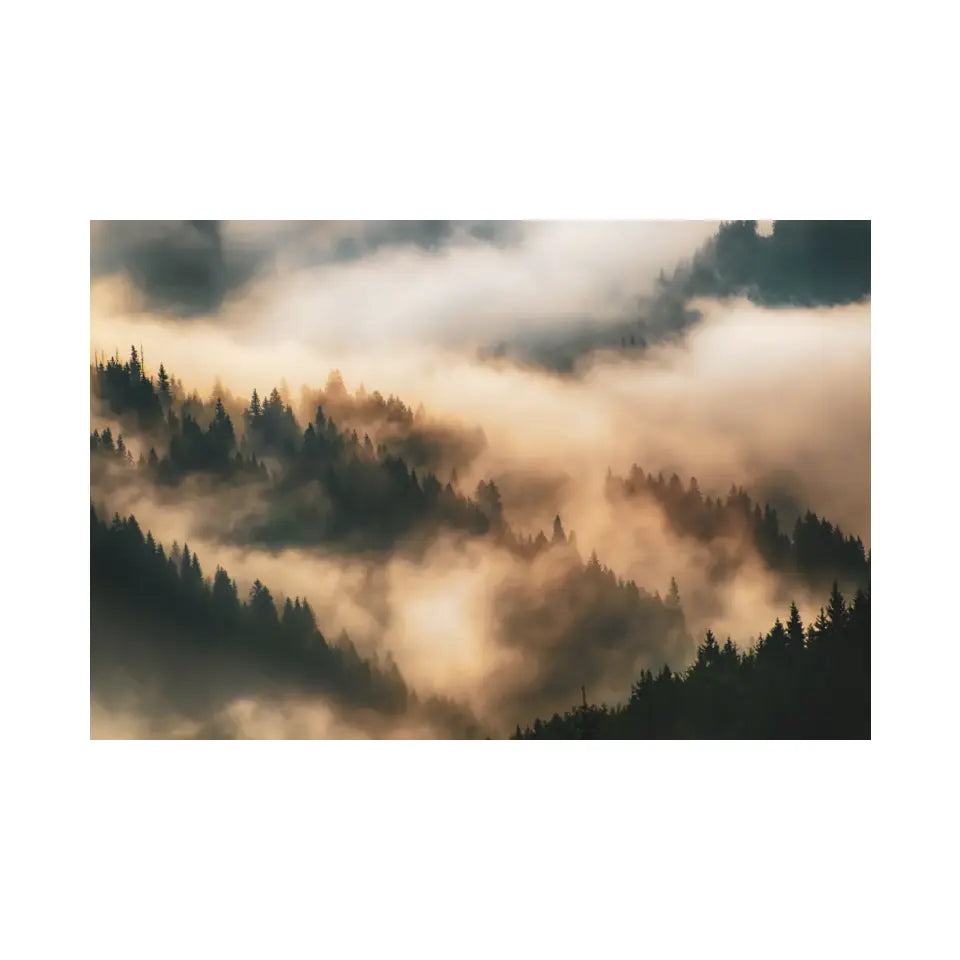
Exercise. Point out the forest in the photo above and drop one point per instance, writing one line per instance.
(801, 263)
(817, 552)
(365, 496)
(358, 481)
(794, 682)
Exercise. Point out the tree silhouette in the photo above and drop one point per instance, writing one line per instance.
(330, 484)
(780, 688)
(167, 601)
(817, 553)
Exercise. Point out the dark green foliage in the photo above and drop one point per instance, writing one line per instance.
(782, 688)
(133, 579)
(802, 262)
(126, 388)
(213, 450)
(817, 553)
(271, 429)
(164, 394)
(400, 431)
(327, 485)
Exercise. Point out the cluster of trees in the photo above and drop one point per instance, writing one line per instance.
(327, 484)
(817, 552)
(192, 449)
(793, 683)
(582, 624)
(574, 620)
(102, 446)
(424, 444)
(132, 575)
(802, 262)
(361, 406)
(125, 388)
(214, 450)
(270, 426)
(159, 407)
(334, 486)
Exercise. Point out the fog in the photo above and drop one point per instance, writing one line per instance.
(460, 290)
(774, 400)
(770, 399)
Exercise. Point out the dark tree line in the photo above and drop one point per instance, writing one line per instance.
(793, 683)
(188, 643)
(192, 450)
(102, 446)
(131, 575)
(126, 389)
(336, 487)
(325, 484)
(402, 432)
(200, 631)
(330, 486)
(817, 552)
(146, 404)
(802, 262)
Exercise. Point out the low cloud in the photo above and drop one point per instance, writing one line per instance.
(774, 400)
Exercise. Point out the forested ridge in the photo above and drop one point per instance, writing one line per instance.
(799, 263)
(794, 682)
(328, 484)
(162, 602)
(325, 487)
(816, 552)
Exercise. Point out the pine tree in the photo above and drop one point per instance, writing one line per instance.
(776, 640)
(163, 385)
(558, 535)
(795, 630)
(709, 650)
(673, 596)
(135, 370)
(836, 609)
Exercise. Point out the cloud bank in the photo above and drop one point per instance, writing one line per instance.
(776, 400)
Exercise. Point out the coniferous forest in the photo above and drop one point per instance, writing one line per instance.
(481, 555)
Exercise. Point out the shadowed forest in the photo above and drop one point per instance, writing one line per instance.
(484, 556)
